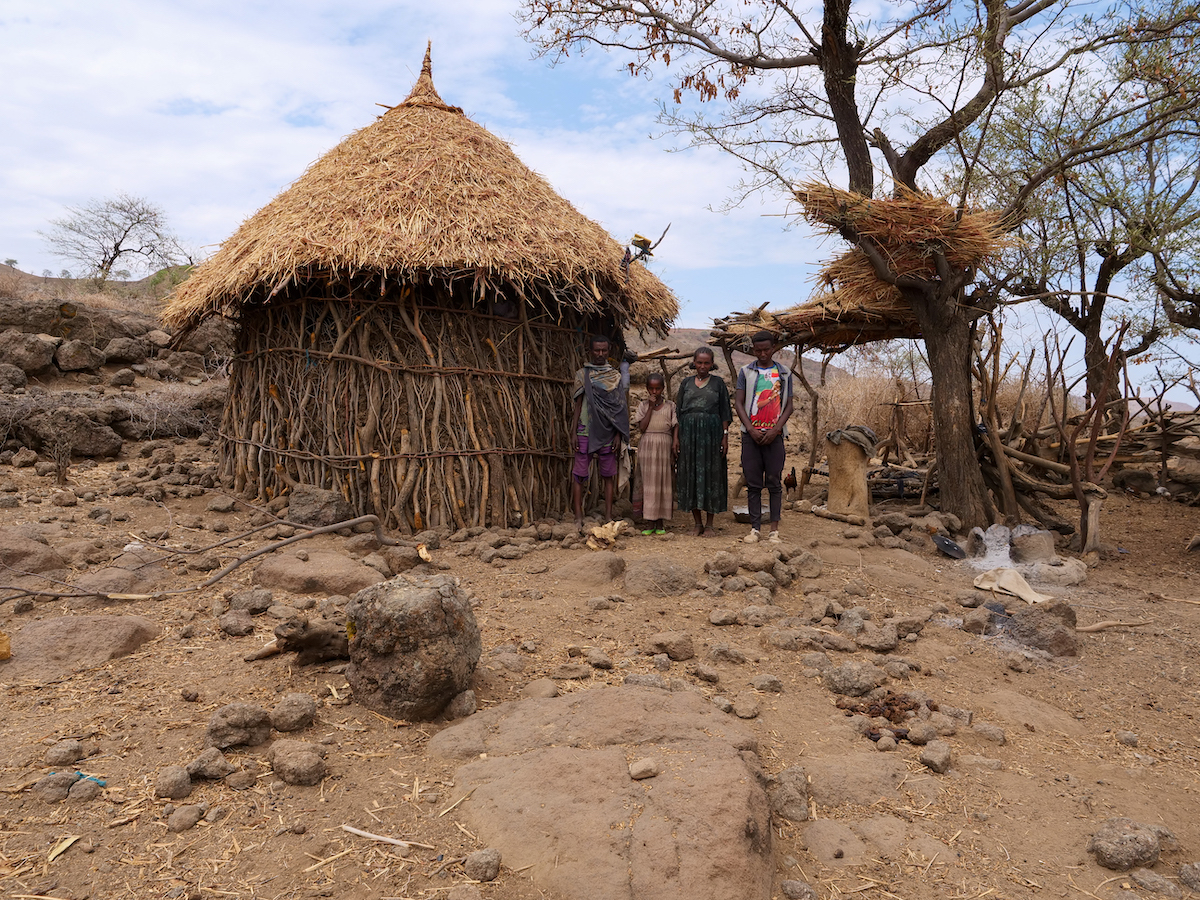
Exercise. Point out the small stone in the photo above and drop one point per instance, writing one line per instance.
(572, 672)
(173, 783)
(1128, 738)
(726, 653)
(724, 704)
(210, 765)
(854, 678)
(293, 712)
(184, 818)
(53, 788)
(990, 732)
(462, 705)
(723, 617)
(236, 623)
(977, 621)
(83, 790)
(190, 695)
(1189, 874)
(242, 781)
(788, 794)
(1155, 883)
(648, 679)
(483, 865)
(598, 659)
(676, 644)
(886, 742)
(644, 768)
(296, 762)
(704, 673)
(936, 756)
(539, 688)
(238, 723)
(252, 600)
(746, 706)
(662, 662)
(767, 683)
(1122, 844)
(64, 753)
(798, 890)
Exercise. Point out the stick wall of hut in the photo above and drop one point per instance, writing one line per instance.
(418, 408)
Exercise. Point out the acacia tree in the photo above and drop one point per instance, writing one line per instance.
(102, 233)
(1090, 235)
(826, 88)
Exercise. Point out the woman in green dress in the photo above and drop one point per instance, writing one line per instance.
(702, 478)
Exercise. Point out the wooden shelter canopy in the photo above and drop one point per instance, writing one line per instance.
(853, 304)
(423, 195)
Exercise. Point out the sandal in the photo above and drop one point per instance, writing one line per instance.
(650, 531)
(660, 531)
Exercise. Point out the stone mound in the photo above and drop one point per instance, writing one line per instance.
(555, 794)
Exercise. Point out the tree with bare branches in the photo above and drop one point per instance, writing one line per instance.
(791, 88)
(121, 229)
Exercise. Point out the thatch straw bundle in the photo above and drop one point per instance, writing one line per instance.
(853, 305)
(421, 193)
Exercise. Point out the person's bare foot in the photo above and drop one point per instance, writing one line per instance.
(697, 530)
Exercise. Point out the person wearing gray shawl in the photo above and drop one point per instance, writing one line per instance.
(600, 422)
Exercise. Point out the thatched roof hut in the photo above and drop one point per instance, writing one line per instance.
(410, 314)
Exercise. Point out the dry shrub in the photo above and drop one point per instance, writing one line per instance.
(867, 399)
(170, 412)
(14, 284)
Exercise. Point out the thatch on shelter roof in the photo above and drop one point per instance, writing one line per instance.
(423, 190)
(853, 305)
(410, 313)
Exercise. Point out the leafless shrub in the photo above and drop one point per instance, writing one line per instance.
(60, 452)
(169, 412)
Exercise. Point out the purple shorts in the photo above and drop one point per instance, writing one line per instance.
(605, 459)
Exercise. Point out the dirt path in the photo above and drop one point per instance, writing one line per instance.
(1013, 822)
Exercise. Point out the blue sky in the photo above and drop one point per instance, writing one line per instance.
(210, 109)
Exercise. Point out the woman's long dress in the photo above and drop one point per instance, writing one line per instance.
(654, 461)
(702, 479)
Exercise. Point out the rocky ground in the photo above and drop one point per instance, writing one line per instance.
(842, 714)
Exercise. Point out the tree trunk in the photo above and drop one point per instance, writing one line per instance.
(947, 334)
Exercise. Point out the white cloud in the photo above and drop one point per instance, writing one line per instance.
(209, 110)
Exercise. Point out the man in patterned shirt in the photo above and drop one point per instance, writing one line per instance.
(764, 404)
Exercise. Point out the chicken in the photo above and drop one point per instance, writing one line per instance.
(789, 483)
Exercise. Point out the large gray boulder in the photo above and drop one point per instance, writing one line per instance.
(69, 320)
(318, 507)
(86, 430)
(414, 644)
(555, 795)
(11, 377)
(125, 350)
(315, 572)
(592, 569)
(33, 354)
(23, 553)
(48, 648)
(78, 356)
(659, 576)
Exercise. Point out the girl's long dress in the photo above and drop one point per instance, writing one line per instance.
(702, 478)
(654, 460)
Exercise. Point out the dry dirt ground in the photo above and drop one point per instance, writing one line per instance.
(1018, 830)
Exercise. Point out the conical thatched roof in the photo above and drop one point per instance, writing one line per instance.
(423, 193)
